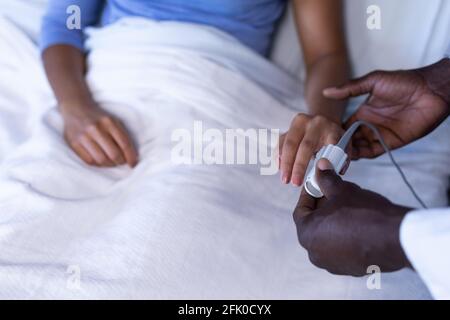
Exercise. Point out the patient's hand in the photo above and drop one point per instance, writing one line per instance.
(305, 137)
(350, 228)
(97, 137)
(404, 105)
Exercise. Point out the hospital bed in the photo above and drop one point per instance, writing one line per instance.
(164, 231)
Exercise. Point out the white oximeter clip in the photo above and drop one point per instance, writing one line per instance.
(336, 156)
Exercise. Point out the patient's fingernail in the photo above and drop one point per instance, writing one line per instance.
(324, 164)
(329, 91)
(284, 178)
(296, 180)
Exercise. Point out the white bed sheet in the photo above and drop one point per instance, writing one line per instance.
(26, 15)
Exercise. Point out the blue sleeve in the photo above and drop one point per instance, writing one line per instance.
(54, 29)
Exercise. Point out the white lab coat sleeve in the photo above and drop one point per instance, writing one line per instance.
(425, 237)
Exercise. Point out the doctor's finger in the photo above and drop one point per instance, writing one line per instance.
(328, 180)
(353, 88)
(305, 206)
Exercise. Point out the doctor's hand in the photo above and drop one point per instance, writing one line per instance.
(97, 137)
(306, 136)
(350, 228)
(404, 105)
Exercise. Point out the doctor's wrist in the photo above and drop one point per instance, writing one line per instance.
(397, 214)
(402, 212)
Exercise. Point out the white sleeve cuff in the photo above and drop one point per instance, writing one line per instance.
(425, 237)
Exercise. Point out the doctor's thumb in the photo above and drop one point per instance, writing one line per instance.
(327, 179)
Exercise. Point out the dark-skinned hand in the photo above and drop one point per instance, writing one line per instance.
(403, 105)
(350, 228)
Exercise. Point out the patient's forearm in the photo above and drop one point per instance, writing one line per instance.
(96, 136)
(330, 70)
(65, 67)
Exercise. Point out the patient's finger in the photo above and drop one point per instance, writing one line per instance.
(95, 151)
(305, 206)
(304, 154)
(105, 141)
(290, 146)
(83, 154)
(353, 88)
(280, 148)
(332, 138)
(121, 137)
(281, 143)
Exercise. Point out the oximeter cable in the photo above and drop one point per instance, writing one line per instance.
(346, 138)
